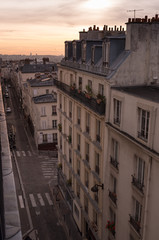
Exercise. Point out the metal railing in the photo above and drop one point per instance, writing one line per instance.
(135, 224)
(137, 183)
(114, 162)
(91, 103)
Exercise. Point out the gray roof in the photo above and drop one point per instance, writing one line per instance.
(33, 68)
(42, 81)
(150, 93)
(46, 98)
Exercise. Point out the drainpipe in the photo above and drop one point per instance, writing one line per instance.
(146, 201)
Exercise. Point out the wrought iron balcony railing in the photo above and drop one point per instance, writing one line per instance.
(114, 162)
(137, 183)
(113, 196)
(91, 103)
(135, 224)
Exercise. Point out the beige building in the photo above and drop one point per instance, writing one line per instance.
(40, 109)
(108, 152)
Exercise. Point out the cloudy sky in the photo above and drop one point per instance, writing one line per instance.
(42, 26)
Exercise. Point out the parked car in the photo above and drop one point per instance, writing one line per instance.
(8, 110)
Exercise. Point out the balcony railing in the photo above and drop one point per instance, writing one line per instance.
(114, 162)
(90, 103)
(135, 224)
(113, 196)
(137, 183)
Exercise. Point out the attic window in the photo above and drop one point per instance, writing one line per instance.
(105, 53)
(93, 54)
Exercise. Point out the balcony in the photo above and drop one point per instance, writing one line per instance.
(114, 162)
(137, 183)
(135, 224)
(91, 103)
(112, 196)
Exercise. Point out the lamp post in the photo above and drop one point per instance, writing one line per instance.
(96, 186)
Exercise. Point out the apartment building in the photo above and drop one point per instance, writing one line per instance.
(83, 93)
(133, 164)
(40, 109)
(107, 149)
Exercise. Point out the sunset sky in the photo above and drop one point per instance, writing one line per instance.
(42, 26)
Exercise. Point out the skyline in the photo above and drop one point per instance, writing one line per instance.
(42, 27)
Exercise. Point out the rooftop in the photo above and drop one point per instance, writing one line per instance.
(146, 92)
(33, 68)
(46, 98)
(41, 81)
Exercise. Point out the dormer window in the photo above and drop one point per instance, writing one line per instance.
(105, 53)
(84, 52)
(66, 50)
(92, 56)
(74, 50)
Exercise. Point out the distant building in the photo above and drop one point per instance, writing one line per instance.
(40, 109)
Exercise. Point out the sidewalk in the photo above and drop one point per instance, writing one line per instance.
(65, 215)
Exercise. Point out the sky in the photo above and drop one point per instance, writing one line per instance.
(42, 26)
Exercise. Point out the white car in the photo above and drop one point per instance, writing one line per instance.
(8, 110)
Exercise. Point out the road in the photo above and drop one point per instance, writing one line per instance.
(33, 174)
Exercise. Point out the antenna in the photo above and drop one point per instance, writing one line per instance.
(134, 10)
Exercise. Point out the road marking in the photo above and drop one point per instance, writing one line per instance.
(21, 201)
(48, 198)
(18, 153)
(23, 153)
(32, 199)
(41, 199)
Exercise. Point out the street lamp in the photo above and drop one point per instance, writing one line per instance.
(95, 187)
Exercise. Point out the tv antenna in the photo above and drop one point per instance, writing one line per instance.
(134, 10)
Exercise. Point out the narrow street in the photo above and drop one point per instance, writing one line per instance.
(34, 174)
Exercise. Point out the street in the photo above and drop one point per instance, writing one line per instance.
(34, 174)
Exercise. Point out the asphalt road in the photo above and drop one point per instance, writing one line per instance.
(33, 172)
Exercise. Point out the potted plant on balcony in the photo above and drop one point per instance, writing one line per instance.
(100, 98)
(60, 127)
(73, 86)
(111, 226)
(88, 92)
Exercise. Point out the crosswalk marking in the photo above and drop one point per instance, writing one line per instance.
(21, 201)
(48, 198)
(41, 199)
(32, 199)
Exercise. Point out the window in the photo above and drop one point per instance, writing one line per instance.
(114, 153)
(78, 142)
(87, 122)
(70, 109)
(80, 83)
(60, 101)
(87, 151)
(70, 155)
(54, 136)
(101, 89)
(61, 142)
(74, 50)
(112, 191)
(78, 115)
(143, 123)
(35, 92)
(47, 91)
(61, 76)
(86, 179)
(71, 79)
(76, 211)
(106, 53)
(97, 163)
(112, 221)
(95, 217)
(92, 54)
(83, 52)
(90, 84)
(98, 130)
(135, 218)
(43, 124)
(54, 124)
(86, 204)
(117, 111)
(54, 112)
(78, 167)
(43, 112)
(44, 138)
(78, 190)
(138, 177)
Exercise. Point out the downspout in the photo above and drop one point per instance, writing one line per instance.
(146, 201)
